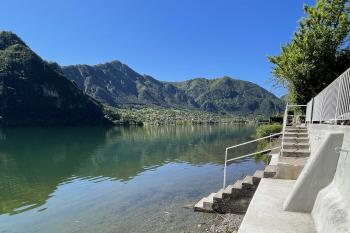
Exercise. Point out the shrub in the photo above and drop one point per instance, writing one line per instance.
(263, 131)
(266, 130)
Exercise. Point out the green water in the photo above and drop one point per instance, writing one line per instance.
(113, 180)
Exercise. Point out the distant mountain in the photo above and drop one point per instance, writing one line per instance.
(227, 95)
(117, 85)
(34, 92)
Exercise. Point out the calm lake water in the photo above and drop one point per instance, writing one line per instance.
(113, 179)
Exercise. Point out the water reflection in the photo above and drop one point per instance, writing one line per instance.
(35, 161)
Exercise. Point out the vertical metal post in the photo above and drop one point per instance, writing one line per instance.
(225, 167)
(284, 127)
(270, 141)
(312, 109)
(338, 97)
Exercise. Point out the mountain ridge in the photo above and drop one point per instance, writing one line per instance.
(116, 84)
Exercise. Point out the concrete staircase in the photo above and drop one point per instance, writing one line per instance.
(296, 142)
(296, 150)
(234, 198)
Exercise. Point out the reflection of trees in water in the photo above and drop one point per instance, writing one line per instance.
(34, 161)
(132, 150)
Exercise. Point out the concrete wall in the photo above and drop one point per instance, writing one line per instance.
(316, 175)
(331, 210)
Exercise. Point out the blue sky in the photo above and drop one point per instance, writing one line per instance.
(170, 40)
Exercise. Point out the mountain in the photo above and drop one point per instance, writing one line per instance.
(116, 84)
(227, 95)
(34, 92)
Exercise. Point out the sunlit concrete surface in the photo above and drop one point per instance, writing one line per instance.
(265, 213)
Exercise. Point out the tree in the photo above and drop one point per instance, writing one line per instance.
(318, 53)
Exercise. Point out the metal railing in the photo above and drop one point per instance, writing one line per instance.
(247, 155)
(332, 104)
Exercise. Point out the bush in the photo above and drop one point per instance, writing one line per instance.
(276, 119)
(263, 131)
(266, 130)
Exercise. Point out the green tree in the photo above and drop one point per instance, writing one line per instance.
(318, 53)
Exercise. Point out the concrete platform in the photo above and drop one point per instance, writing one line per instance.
(265, 213)
(290, 167)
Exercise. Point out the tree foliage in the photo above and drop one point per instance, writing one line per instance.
(318, 53)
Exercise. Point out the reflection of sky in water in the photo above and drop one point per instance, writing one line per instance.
(116, 180)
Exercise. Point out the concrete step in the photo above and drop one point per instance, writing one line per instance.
(270, 171)
(228, 191)
(247, 182)
(218, 195)
(258, 175)
(205, 204)
(295, 139)
(237, 185)
(297, 135)
(294, 130)
(295, 152)
(296, 145)
(208, 203)
(296, 127)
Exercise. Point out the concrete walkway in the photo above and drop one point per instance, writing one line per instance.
(265, 213)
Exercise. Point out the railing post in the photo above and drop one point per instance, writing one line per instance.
(312, 109)
(338, 97)
(284, 126)
(225, 167)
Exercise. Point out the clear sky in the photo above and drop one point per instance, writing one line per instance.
(170, 40)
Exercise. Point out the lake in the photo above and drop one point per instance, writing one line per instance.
(96, 179)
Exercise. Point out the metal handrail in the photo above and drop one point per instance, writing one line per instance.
(243, 156)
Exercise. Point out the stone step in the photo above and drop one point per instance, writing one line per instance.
(296, 145)
(295, 139)
(205, 204)
(295, 152)
(270, 171)
(297, 135)
(258, 175)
